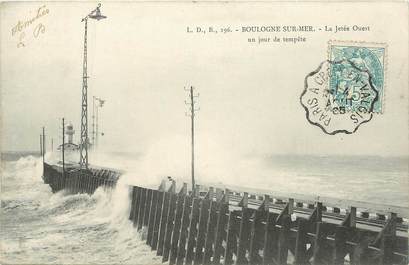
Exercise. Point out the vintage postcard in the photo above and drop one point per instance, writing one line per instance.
(204, 132)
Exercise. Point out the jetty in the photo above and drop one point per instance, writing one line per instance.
(217, 224)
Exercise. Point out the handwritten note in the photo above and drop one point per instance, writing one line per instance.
(31, 24)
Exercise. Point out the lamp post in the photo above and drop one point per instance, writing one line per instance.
(96, 103)
(95, 14)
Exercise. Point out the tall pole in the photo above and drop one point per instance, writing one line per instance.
(43, 145)
(84, 107)
(52, 144)
(100, 103)
(96, 127)
(63, 149)
(192, 114)
(84, 143)
(192, 117)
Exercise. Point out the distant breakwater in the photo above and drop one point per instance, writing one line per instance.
(75, 181)
(213, 225)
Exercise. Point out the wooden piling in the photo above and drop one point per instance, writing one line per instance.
(131, 214)
(201, 233)
(222, 219)
(147, 207)
(321, 249)
(231, 238)
(141, 208)
(181, 251)
(137, 206)
(176, 229)
(169, 228)
(163, 221)
(151, 218)
(387, 246)
(193, 231)
(244, 237)
(210, 233)
(283, 240)
(157, 221)
(340, 246)
(257, 234)
(173, 226)
(300, 256)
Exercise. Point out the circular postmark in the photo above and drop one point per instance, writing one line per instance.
(339, 96)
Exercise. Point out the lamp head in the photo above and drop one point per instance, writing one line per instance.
(97, 14)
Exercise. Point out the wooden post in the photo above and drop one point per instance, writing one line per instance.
(301, 243)
(210, 232)
(81, 183)
(203, 220)
(231, 238)
(340, 247)
(321, 253)
(92, 183)
(181, 250)
(176, 229)
(141, 208)
(316, 215)
(41, 149)
(191, 242)
(151, 218)
(169, 227)
(67, 182)
(221, 234)
(163, 221)
(257, 233)
(157, 222)
(269, 239)
(76, 182)
(387, 246)
(244, 234)
(86, 182)
(43, 142)
(147, 208)
(131, 214)
(283, 240)
(350, 218)
(137, 206)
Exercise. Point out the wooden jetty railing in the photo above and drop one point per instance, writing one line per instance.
(215, 226)
(75, 181)
(225, 225)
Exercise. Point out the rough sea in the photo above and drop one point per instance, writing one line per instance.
(39, 227)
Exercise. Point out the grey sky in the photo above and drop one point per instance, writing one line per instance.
(141, 57)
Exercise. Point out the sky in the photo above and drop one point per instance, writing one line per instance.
(141, 58)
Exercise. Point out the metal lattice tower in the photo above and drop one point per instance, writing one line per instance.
(84, 107)
(84, 143)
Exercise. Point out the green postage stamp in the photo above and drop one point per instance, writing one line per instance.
(346, 90)
(345, 86)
